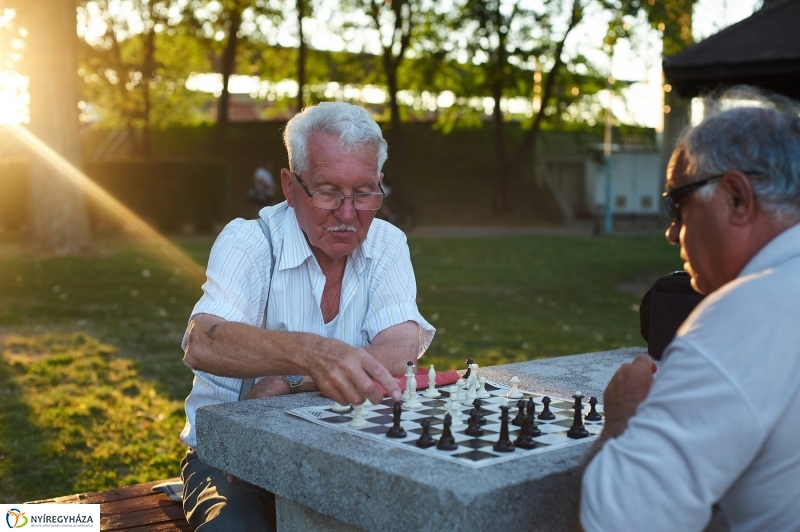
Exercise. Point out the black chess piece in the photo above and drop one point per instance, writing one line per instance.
(517, 421)
(546, 413)
(477, 404)
(469, 362)
(425, 440)
(577, 430)
(447, 442)
(504, 444)
(474, 428)
(593, 414)
(533, 430)
(525, 440)
(396, 431)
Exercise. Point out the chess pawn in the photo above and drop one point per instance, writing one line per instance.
(514, 393)
(455, 414)
(431, 392)
(337, 407)
(482, 393)
(358, 417)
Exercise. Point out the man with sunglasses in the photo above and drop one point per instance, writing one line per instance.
(320, 296)
(718, 423)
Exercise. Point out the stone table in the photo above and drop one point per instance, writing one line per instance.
(332, 481)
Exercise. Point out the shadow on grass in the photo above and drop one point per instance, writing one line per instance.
(27, 468)
(77, 418)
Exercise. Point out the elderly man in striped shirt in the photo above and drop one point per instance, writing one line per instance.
(316, 295)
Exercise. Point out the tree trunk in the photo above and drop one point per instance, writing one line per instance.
(149, 71)
(402, 200)
(301, 54)
(228, 66)
(500, 181)
(59, 221)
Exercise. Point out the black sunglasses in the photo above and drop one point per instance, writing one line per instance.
(673, 197)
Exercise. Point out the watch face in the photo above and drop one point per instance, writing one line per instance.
(293, 379)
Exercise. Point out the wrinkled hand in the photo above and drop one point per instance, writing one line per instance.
(269, 386)
(347, 374)
(628, 388)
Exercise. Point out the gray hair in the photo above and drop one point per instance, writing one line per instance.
(750, 132)
(352, 124)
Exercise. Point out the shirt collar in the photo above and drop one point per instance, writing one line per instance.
(296, 249)
(783, 247)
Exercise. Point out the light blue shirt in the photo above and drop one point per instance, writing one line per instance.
(378, 291)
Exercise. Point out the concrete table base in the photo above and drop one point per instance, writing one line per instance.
(329, 480)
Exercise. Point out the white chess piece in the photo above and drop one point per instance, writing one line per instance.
(409, 377)
(482, 393)
(358, 417)
(431, 392)
(471, 391)
(514, 393)
(473, 370)
(413, 402)
(337, 407)
(367, 403)
(455, 414)
(460, 394)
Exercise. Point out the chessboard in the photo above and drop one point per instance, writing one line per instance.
(472, 451)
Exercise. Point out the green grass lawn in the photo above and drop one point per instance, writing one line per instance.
(91, 374)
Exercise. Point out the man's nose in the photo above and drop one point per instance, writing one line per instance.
(347, 209)
(673, 233)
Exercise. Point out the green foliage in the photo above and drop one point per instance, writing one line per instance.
(170, 194)
(673, 18)
(113, 80)
(78, 418)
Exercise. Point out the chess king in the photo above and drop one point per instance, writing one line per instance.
(719, 423)
(316, 295)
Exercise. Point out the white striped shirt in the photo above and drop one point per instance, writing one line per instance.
(378, 291)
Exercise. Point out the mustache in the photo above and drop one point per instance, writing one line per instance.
(342, 227)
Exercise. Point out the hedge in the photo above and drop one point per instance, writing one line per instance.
(171, 195)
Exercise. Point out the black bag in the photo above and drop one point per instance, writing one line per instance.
(664, 308)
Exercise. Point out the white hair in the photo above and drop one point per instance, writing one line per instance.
(753, 133)
(352, 124)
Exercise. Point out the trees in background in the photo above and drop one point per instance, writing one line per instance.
(135, 73)
(396, 24)
(510, 42)
(58, 219)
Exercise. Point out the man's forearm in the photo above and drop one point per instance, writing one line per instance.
(233, 349)
(396, 346)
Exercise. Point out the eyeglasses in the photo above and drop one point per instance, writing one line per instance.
(333, 199)
(673, 197)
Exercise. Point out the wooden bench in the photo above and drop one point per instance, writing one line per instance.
(132, 509)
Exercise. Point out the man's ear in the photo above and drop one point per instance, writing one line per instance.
(287, 185)
(741, 198)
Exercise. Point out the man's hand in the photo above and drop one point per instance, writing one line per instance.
(628, 388)
(347, 374)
